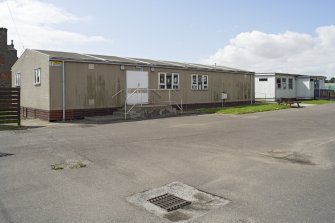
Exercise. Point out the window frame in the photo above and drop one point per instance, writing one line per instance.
(168, 86)
(175, 86)
(37, 76)
(17, 79)
(290, 84)
(278, 84)
(159, 81)
(284, 83)
(201, 82)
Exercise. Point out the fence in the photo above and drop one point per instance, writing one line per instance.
(10, 106)
(327, 94)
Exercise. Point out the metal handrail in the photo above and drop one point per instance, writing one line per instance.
(154, 91)
(125, 104)
(117, 93)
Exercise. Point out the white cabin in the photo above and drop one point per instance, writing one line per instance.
(273, 86)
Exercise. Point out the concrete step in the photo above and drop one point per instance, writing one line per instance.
(138, 112)
(119, 113)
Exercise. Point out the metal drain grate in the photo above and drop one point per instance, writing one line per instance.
(169, 202)
(5, 154)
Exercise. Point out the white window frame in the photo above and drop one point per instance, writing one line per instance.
(278, 85)
(18, 79)
(198, 82)
(37, 76)
(164, 85)
(290, 87)
(284, 83)
(175, 85)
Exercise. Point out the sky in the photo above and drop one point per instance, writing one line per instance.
(296, 36)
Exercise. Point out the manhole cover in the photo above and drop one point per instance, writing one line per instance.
(169, 202)
(5, 154)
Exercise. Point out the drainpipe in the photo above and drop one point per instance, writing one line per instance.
(63, 90)
(251, 95)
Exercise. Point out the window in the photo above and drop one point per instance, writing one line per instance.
(283, 80)
(37, 76)
(263, 79)
(17, 79)
(175, 80)
(290, 83)
(199, 82)
(168, 80)
(278, 82)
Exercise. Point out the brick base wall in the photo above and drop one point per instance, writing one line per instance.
(57, 115)
(213, 105)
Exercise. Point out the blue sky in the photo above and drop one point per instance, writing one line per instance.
(191, 29)
(212, 31)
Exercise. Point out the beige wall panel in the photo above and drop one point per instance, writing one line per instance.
(33, 96)
(94, 88)
(236, 85)
(88, 88)
(56, 88)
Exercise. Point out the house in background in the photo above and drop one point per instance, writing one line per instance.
(310, 86)
(8, 56)
(330, 86)
(62, 85)
(272, 86)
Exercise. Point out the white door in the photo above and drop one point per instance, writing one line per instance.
(137, 80)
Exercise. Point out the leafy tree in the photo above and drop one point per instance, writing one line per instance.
(332, 80)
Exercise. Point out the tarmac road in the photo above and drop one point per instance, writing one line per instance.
(273, 167)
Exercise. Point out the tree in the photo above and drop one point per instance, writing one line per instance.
(332, 80)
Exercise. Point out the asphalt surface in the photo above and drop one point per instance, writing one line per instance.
(273, 167)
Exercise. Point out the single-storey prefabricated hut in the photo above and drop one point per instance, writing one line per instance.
(63, 85)
(273, 86)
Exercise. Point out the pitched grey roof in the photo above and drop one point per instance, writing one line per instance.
(275, 73)
(288, 74)
(95, 58)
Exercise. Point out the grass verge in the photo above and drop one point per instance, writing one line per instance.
(317, 102)
(243, 109)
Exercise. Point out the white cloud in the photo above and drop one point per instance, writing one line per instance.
(36, 23)
(290, 52)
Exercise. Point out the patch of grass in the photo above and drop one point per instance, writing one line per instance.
(77, 165)
(317, 102)
(57, 167)
(244, 109)
(71, 164)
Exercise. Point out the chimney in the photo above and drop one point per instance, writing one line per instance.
(3, 38)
